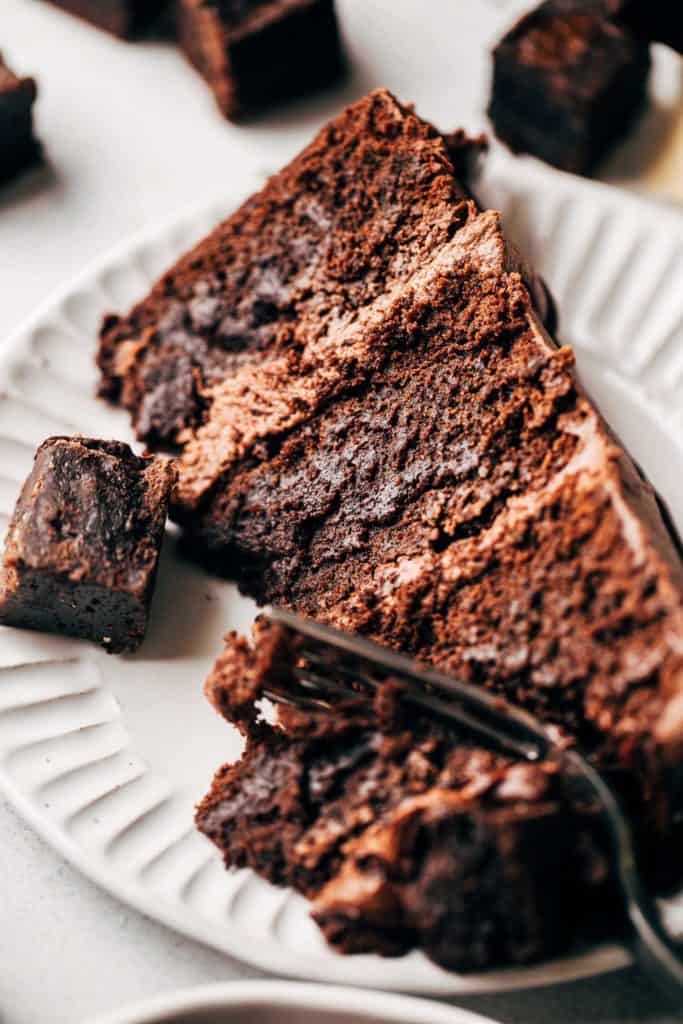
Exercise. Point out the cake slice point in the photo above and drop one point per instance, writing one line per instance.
(360, 207)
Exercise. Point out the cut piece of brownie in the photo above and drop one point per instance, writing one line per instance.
(257, 53)
(358, 210)
(18, 148)
(432, 475)
(402, 832)
(124, 18)
(569, 79)
(83, 544)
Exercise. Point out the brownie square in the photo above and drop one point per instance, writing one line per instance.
(18, 148)
(84, 541)
(254, 53)
(124, 18)
(569, 79)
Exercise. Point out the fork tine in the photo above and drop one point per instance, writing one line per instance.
(304, 675)
(302, 703)
(426, 701)
(347, 656)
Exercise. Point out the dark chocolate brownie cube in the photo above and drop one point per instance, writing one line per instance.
(83, 544)
(18, 148)
(254, 53)
(569, 80)
(123, 18)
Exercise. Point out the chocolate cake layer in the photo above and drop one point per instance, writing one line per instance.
(360, 208)
(403, 833)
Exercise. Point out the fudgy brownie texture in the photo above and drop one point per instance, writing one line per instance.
(83, 544)
(402, 832)
(123, 18)
(257, 53)
(18, 148)
(569, 79)
(358, 210)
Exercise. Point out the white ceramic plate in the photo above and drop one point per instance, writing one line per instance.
(106, 756)
(282, 1002)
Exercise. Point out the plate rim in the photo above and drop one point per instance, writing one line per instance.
(294, 995)
(599, 959)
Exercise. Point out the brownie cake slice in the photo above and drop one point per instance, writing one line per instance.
(403, 833)
(432, 475)
(358, 209)
(398, 447)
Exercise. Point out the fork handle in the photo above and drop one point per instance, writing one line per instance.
(657, 951)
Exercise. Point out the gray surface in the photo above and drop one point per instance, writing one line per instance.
(132, 136)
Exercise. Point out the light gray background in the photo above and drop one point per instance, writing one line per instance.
(131, 135)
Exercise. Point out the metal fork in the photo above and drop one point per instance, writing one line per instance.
(334, 665)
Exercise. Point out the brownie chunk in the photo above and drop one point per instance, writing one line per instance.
(18, 148)
(403, 833)
(255, 53)
(84, 541)
(124, 18)
(569, 79)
